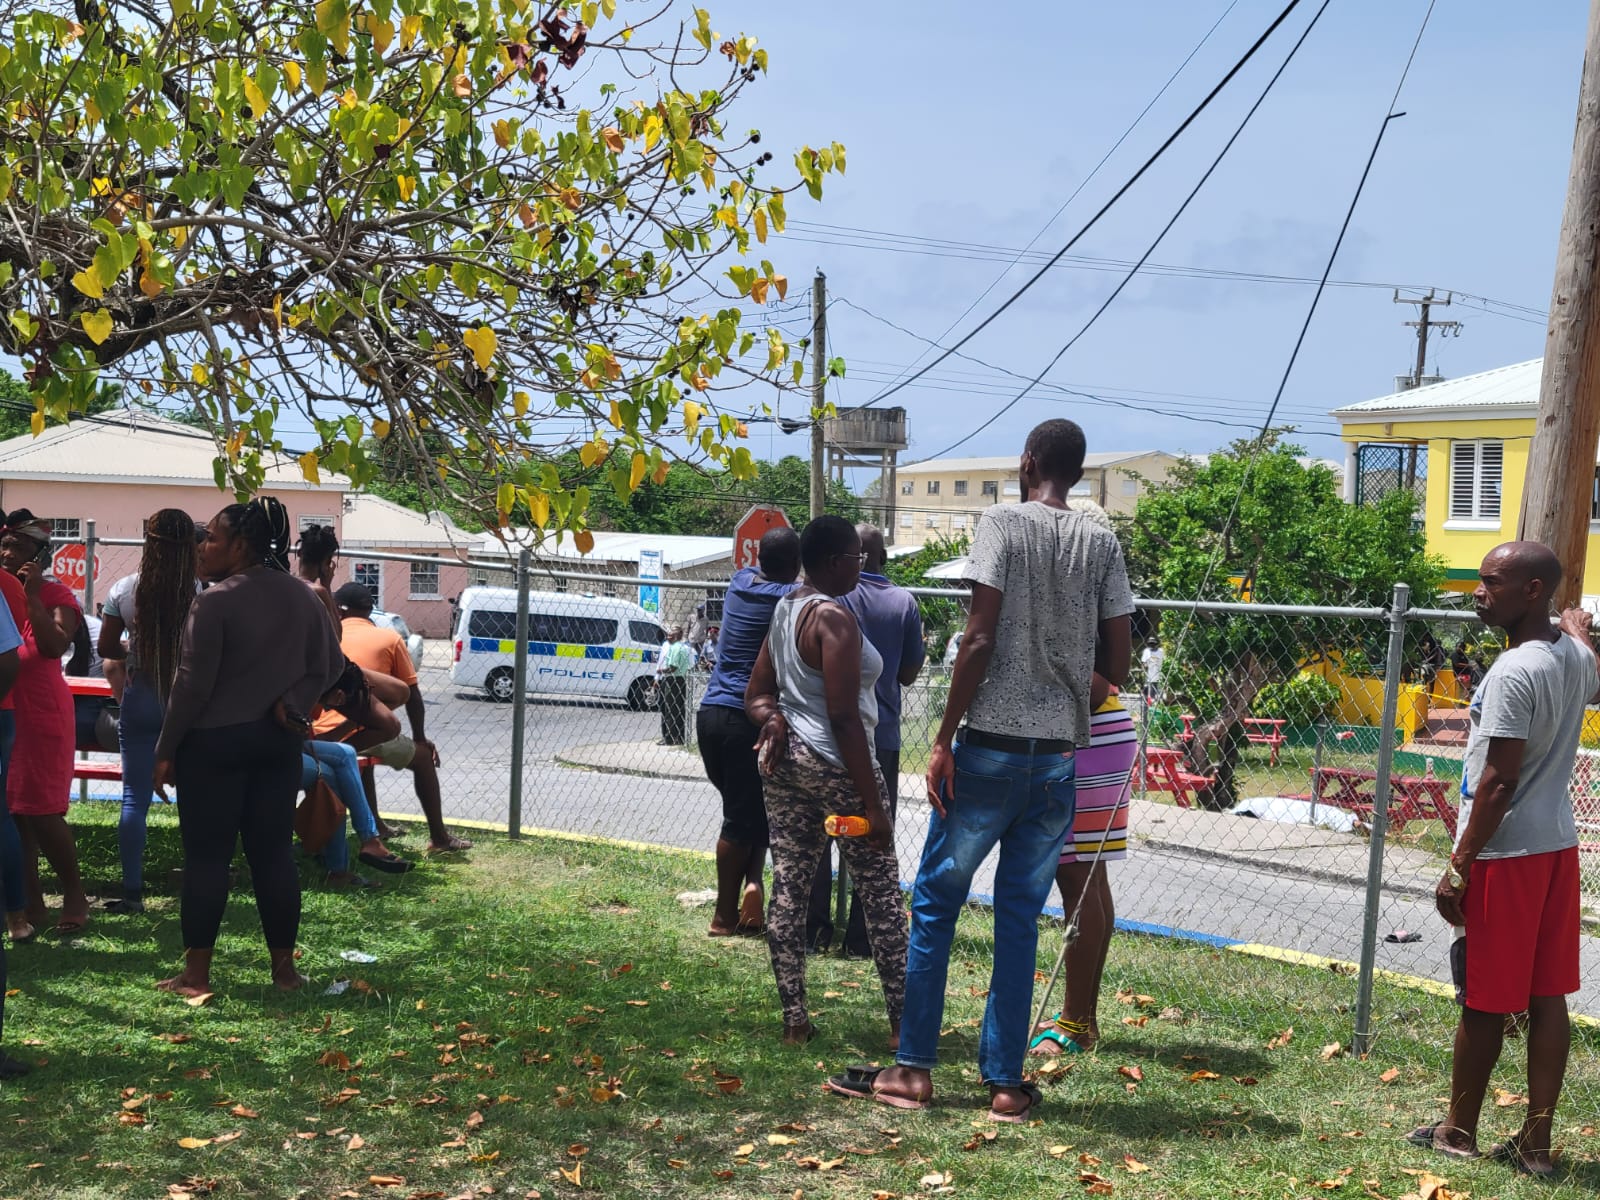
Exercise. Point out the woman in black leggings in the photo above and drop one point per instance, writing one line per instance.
(258, 652)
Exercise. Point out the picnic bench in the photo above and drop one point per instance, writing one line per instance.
(1262, 731)
(1163, 769)
(1411, 797)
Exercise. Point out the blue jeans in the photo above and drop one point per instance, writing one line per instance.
(1023, 804)
(10, 839)
(338, 763)
(137, 732)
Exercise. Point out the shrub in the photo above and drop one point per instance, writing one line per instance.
(1302, 700)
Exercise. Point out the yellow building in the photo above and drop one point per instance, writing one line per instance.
(1463, 445)
(944, 496)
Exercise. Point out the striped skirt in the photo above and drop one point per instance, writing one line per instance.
(1105, 769)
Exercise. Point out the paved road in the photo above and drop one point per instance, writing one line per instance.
(1165, 887)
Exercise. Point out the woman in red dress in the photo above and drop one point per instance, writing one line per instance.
(39, 781)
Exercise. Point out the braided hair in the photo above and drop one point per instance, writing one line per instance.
(317, 546)
(264, 525)
(163, 594)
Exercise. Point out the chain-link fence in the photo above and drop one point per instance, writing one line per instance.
(1294, 796)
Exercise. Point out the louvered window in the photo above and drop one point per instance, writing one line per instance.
(1475, 470)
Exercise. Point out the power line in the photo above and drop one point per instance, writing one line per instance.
(1095, 170)
(1151, 249)
(1106, 207)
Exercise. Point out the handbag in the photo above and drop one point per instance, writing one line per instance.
(106, 733)
(319, 818)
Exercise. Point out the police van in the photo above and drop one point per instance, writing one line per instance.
(579, 646)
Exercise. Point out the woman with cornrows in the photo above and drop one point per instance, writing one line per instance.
(150, 606)
(258, 652)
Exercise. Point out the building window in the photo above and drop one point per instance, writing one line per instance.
(958, 522)
(1013, 488)
(908, 487)
(905, 520)
(991, 487)
(369, 575)
(66, 529)
(306, 523)
(424, 581)
(1130, 486)
(1594, 498)
(1081, 488)
(961, 487)
(1475, 469)
(933, 522)
(933, 487)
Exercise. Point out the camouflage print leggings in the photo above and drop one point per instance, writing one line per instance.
(803, 790)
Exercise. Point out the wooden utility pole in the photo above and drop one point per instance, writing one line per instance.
(1561, 462)
(819, 385)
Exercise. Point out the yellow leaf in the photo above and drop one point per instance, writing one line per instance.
(100, 186)
(519, 403)
(409, 28)
(407, 185)
(692, 413)
(461, 85)
(36, 423)
(153, 287)
(574, 1176)
(277, 310)
(308, 467)
(193, 1143)
(481, 341)
(588, 454)
(291, 73)
(652, 131)
(348, 99)
(636, 472)
(382, 33)
(659, 477)
(571, 197)
(612, 137)
(502, 134)
(583, 540)
(256, 97)
(539, 507)
(380, 429)
(88, 282)
(779, 1139)
(759, 219)
(199, 374)
(504, 497)
(97, 325)
(616, 416)
(180, 235)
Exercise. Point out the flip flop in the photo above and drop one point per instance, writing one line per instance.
(68, 925)
(861, 1083)
(32, 934)
(393, 863)
(1020, 1116)
(1424, 1136)
(1053, 1032)
(1509, 1152)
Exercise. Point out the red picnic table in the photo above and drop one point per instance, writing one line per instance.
(1411, 797)
(1263, 731)
(1163, 769)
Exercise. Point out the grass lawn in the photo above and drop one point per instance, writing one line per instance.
(544, 1019)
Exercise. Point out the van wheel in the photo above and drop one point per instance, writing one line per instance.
(639, 695)
(501, 684)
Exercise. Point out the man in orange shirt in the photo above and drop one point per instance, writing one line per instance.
(384, 650)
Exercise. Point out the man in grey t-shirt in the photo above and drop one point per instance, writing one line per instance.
(1050, 608)
(1512, 882)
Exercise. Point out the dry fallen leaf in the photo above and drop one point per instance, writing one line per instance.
(177, 1039)
(337, 1059)
(1390, 1075)
(745, 1151)
(936, 1179)
(577, 1150)
(1136, 1022)
(1505, 1099)
(729, 1085)
(385, 1180)
(356, 1142)
(1134, 1073)
(196, 1001)
(1246, 1080)
(574, 1176)
(223, 1138)
(247, 1114)
(1281, 1040)
(1088, 1160)
(1331, 1051)
(982, 1137)
(474, 1120)
(193, 1143)
(1135, 1167)
(1203, 1076)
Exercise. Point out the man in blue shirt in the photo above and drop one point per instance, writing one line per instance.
(728, 739)
(891, 622)
(10, 639)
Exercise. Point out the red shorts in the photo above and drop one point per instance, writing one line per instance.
(1522, 930)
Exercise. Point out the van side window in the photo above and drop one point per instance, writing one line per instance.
(573, 630)
(489, 623)
(647, 632)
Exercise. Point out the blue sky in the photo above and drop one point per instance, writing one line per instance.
(972, 125)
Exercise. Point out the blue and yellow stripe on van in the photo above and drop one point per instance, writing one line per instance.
(562, 650)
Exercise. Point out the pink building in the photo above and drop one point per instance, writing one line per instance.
(118, 467)
(419, 590)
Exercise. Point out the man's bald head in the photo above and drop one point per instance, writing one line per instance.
(1529, 562)
(872, 546)
(779, 555)
(1516, 584)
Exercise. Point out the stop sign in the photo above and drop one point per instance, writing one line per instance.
(69, 564)
(748, 532)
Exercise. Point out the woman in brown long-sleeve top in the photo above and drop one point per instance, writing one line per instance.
(258, 653)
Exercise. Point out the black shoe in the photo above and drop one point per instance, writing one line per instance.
(10, 1068)
(857, 951)
(127, 904)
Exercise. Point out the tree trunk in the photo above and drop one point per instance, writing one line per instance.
(1244, 680)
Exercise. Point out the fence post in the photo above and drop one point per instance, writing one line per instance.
(1361, 1041)
(519, 702)
(90, 544)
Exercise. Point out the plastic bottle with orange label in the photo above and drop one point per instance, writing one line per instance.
(847, 826)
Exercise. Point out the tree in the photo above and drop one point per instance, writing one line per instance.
(941, 618)
(17, 411)
(400, 217)
(1261, 523)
